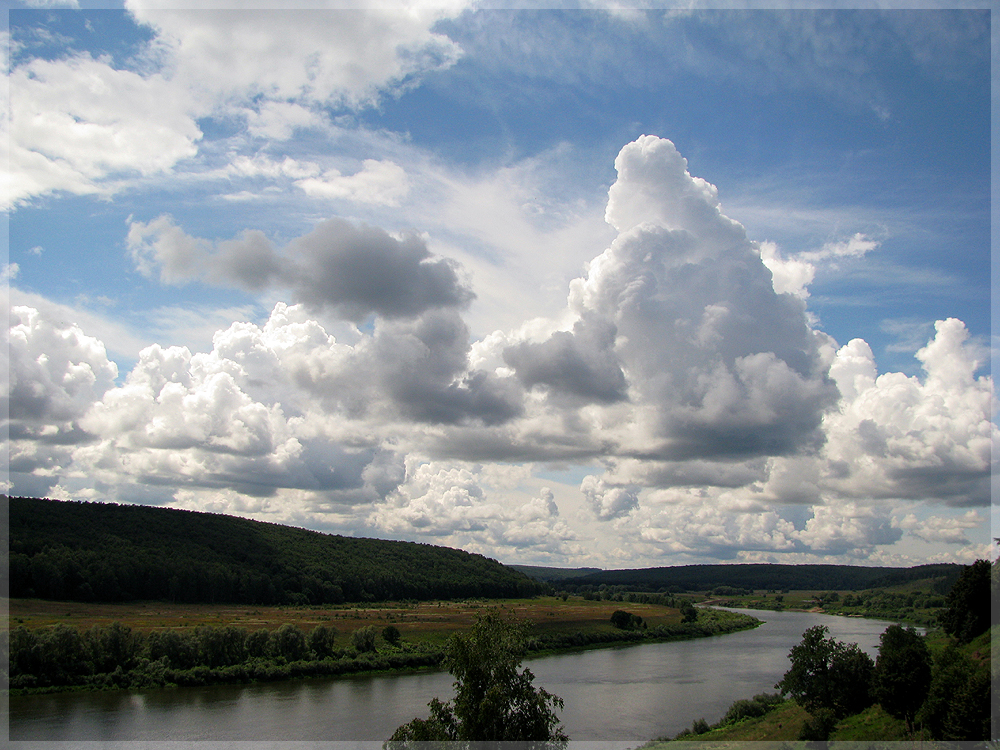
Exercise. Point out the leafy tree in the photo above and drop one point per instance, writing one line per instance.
(363, 639)
(288, 641)
(257, 643)
(826, 674)
(493, 700)
(957, 703)
(321, 640)
(113, 646)
(688, 612)
(968, 603)
(391, 635)
(625, 620)
(902, 673)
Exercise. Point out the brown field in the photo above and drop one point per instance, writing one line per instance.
(424, 621)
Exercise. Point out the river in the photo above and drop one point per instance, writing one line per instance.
(617, 697)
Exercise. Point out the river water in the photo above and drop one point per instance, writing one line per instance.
(617, 697)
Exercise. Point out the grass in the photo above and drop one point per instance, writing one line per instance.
(419, 622)
(785, 722)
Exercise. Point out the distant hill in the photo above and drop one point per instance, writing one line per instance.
(767, 576)
(108, 552)
(550, 575)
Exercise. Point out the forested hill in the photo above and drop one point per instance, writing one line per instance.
(767, 576)
(553, 575)
(108, 552)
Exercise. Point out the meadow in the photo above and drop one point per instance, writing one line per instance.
(418, 622)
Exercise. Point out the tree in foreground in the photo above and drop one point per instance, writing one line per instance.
(493, 701)
(827, 675)
(967, 612)
(902, 673)
(958, 699)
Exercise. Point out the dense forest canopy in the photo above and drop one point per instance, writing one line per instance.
(768, 576)
(108, 552)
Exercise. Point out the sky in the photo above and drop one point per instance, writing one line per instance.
(595, 286)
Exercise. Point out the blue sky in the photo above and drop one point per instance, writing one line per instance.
(569, 287)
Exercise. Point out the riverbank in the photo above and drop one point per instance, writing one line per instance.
(910, 604)
(117, 656)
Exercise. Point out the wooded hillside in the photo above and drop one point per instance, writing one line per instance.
(108, 552)
(767, 577)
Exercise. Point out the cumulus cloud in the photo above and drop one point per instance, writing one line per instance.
(609, 502)
(457, 502)
(353, 270)
(717, 362)
(235, 417)
(56, 372)
(941, 529)
(53, 374)
(580, 363)
(898, 436)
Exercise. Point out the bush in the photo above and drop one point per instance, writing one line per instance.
(819, 726)
(749, 709)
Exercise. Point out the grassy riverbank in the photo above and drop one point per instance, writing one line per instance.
(784, 723)
(68, 645)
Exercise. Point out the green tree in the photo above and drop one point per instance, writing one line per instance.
(826, 674)
(391, 635)
(321, 641)
(289, 642)
(957, 703)
(625, 620)
(902, 673)
(493, 700)
(363, 639)
(968, 603)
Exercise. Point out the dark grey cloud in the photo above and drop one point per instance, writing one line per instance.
(354, 270)
(423, 366)
(581, 363)
(359, 270)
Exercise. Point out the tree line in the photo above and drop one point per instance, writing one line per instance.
(116, 656)
(757, 576)
(114, 553)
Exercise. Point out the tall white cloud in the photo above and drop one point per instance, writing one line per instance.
(716, 363)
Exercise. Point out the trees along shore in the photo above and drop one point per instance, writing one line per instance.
(117, 657)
